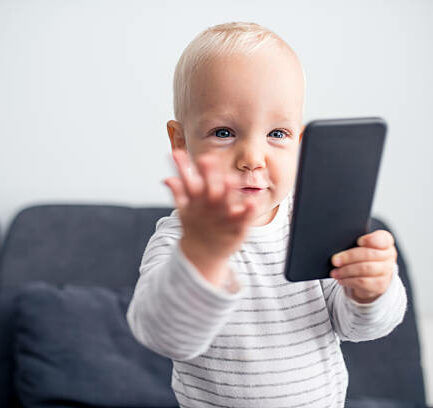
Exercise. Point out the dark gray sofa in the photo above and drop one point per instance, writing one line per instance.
(66, 275)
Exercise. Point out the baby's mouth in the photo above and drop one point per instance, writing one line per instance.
(252, 190)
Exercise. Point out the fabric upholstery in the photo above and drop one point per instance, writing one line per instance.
(101, 246)
(376, 367)
(77, 244)
(73, 345)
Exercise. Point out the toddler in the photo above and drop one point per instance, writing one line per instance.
(212, 295)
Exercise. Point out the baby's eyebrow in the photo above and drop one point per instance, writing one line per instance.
(284, 119)
(231, 118)
(224, 117)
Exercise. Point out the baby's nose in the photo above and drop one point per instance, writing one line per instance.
(251, 158)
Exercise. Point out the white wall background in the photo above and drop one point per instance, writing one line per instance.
(85, 94)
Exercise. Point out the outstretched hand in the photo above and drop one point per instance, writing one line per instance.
(214, 218)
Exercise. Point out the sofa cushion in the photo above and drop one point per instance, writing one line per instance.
(73, 347)
(7, 321)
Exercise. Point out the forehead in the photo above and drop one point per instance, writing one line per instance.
(266, 84)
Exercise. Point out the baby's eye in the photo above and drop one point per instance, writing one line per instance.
(222, 133)
(279, 134)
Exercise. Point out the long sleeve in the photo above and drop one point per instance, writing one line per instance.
(271, 343)
(174, 310)
(353, 321)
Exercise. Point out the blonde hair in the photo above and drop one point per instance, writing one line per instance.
(221, 39)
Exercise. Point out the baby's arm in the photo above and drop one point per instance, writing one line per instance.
(354, 321)
(180, 304)
(174, 310)
(367, 299)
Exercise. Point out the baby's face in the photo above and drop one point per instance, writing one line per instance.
(248, 112)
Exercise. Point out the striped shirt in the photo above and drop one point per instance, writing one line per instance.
(267, 343)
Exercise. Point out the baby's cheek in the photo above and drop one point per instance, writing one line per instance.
(287, 173)
(283, 184)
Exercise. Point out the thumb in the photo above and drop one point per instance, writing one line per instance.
(244, 211)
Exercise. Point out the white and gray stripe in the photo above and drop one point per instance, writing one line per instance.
(273, 343)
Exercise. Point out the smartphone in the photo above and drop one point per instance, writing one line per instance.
(338, 165)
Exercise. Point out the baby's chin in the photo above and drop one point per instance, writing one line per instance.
(265, 216)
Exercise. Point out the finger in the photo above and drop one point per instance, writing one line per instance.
(234, 183)
(192, 181)
(368, 284)
(230, 200)
(362, 269)
(233, 195)
(214, 186)
(361, 254)
(380, 239)
(243, 212)
(176, 186)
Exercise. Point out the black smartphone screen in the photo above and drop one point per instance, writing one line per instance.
(338, 164)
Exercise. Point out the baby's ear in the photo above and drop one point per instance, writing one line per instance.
(302, 133)
(175, 133)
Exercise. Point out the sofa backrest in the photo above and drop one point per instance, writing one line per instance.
(77, 244)
(389, 367)
(102, 245)
(89, 245)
